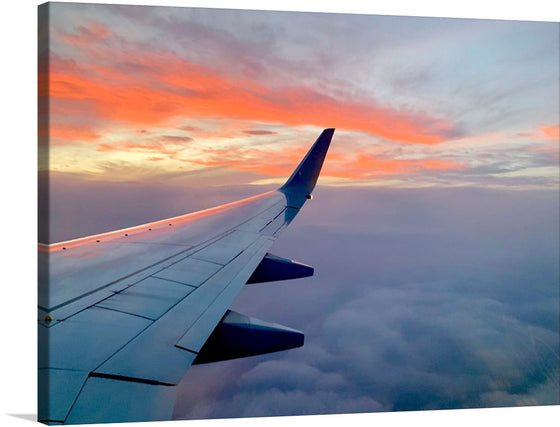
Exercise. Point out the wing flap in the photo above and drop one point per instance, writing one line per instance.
(189, 271)
(273, 268)
(60, 387)
(102, 399)
(199, 312)
(195, 337)
(88, 338)
(150, 298)
(239, 336)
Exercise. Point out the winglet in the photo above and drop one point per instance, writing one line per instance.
(303, 180)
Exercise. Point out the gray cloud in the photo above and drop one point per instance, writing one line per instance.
(176, 138)
(259, 132)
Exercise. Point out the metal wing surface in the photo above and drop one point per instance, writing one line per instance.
(124, 314)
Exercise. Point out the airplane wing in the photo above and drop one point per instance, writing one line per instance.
(124, 314)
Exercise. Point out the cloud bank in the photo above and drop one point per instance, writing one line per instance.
(422, 299)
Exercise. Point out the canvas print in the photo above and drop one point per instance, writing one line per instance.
(250, 213)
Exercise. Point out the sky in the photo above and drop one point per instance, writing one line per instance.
(434, 227)
(148, 93)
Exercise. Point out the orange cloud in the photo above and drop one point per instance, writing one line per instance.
(364, 166)
(146, 88)
(148, 147)
(550, 132)
(360, 165)
(72, 133)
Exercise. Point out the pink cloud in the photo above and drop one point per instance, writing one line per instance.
(93, 32)
(145, 88)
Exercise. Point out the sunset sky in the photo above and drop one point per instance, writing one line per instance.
(433, 230)
(147, 93)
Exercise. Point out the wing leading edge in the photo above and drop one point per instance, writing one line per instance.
(123, 315)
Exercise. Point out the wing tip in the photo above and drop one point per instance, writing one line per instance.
(305, 176)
